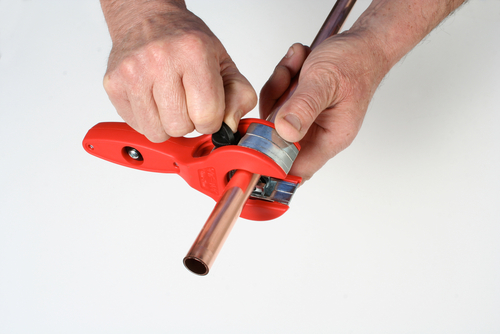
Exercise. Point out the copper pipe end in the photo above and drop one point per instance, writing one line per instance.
(207, 245)
(196, 265)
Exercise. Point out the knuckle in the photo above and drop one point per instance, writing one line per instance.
(178, 129)
(195, 43)
(242, 94)
(141, 63)
(110, 85)
(155, 54)
(198, 51)
(129, 68)
(249, 97)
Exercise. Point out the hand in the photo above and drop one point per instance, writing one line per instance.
(340, 76)
(325, 113)
(168, 74)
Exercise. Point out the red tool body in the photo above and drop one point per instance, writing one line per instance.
(194, 159)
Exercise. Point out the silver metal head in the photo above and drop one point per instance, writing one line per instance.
(265, 139)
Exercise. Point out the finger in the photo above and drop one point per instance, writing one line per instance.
(130, 91)
(170, 98)
(240, 97)
(308, 162)
(204, 92)
(145, 111)
(281, 78)
(118, 97)
(273, 89)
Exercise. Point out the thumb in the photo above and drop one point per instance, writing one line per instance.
(315, 93)
(240, 97)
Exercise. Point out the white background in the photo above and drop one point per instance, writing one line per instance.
(399, 233)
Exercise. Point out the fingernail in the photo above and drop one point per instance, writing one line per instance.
(290, 52)
(294, 121)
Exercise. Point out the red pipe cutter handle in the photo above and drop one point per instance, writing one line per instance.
(194, 159)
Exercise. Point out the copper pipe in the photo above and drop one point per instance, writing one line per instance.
(202, 254)
(207, 245)
(334, 21)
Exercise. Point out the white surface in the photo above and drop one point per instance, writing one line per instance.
(398, 234)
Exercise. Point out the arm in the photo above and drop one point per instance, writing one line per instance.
(168, 74)
(338, 79)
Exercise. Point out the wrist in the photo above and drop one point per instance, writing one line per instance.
(124, 15)
(394, 27)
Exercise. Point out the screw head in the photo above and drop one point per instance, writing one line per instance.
(134, 154)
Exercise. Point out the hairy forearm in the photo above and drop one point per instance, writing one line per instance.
(396, 26)
(122, 15)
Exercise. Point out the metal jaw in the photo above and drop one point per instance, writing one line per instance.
(274, 190)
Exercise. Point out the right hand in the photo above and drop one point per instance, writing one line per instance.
(325, 112)
(168, 75)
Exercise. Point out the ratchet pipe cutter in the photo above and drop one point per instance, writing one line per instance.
(203, 166)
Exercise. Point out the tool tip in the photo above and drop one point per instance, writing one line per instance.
(196, 265)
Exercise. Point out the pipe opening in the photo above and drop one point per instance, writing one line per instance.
(196, 266)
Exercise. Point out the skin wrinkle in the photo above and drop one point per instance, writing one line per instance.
(325, 75)
(344, 78)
